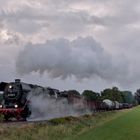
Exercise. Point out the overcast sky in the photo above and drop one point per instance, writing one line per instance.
(71, 44)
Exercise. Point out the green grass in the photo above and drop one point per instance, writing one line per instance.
(125, 127)
(104, 125)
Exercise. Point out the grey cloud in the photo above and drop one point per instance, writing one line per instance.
(60, 18)
(50, 19)
(72, 22)
(29, 20)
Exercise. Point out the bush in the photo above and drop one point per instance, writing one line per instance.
(64, 120)
(58, 121)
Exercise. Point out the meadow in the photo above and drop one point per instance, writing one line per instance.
(112, 125)
(124, 127)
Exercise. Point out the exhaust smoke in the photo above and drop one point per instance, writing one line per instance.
(61, 58)
(44, 106)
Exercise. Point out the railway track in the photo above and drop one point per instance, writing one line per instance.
(33, 121)
(21, 123)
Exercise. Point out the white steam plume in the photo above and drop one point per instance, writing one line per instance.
(44, 107)
(82, 57)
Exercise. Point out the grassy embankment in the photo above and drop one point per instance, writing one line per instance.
(125, 127)
(104, 125)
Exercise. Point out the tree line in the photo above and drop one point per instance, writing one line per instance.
(113, 94)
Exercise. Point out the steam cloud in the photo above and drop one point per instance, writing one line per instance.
(44, 107)
(82, 57)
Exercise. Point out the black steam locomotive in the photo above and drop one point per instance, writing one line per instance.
(14, 102)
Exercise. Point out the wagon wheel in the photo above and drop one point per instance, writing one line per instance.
(24, 119)
(18, 117)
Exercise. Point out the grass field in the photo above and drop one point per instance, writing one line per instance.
(125, 127)
(115, 125)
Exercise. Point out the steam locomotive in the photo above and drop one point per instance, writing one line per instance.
(14, 102)
(15, 98)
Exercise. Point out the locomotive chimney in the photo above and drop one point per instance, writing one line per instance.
(17, 81)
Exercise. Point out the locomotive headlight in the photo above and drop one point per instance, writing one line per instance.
(10, 86)
(0, 106)
(16, 106)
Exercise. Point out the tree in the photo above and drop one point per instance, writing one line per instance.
(91, 95)
(73, 92)
(128, 97)
(113, 94)
(137, 95)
